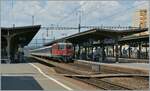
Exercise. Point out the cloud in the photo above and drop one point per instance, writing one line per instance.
(97, 10)
(103, 7)
(27, 7)
(143, 4)
(53, 12)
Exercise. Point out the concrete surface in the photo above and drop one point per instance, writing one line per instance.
(24, 76)
(135, 68)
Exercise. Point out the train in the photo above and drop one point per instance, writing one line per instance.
(62, 52)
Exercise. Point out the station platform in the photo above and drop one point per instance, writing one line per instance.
(128, 60)
(134, 68)
(35, 76)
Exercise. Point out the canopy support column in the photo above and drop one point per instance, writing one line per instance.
(113, 51)
(139, 53)
(120, 50)
(129, 51)
(8, 47)
(146, 51)
(116, 44)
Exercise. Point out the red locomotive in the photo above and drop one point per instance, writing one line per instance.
(60, 51)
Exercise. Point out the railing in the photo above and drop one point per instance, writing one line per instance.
(111, 27)
(58, 28)
(91, 27)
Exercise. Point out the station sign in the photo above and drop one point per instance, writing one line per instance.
(97, 42)
(109, 41)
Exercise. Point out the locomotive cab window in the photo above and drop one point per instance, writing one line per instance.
(69, 46)
(61, 47)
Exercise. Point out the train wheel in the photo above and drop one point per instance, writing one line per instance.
(60, 60)
(65, 59)
(71, 60)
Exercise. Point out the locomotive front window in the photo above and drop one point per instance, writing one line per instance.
(69, 46)
(61, 47)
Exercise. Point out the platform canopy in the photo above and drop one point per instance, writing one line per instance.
(138, 37)
(20, 34)
(12, 37)
(97, 34)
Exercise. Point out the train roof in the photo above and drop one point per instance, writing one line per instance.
(65, 43)
(49, 46)
(40, 48)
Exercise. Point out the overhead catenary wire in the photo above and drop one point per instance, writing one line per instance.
(104, 18)
(69, 14)
(13, 25)
(112, 15)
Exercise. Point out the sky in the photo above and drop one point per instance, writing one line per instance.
(66, 13)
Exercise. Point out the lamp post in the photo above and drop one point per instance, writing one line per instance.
(79, 26)
(32, 19)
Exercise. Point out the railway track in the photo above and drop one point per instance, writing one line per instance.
(99, 81)
(77, 71)
(96, 82)
(103, 84)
